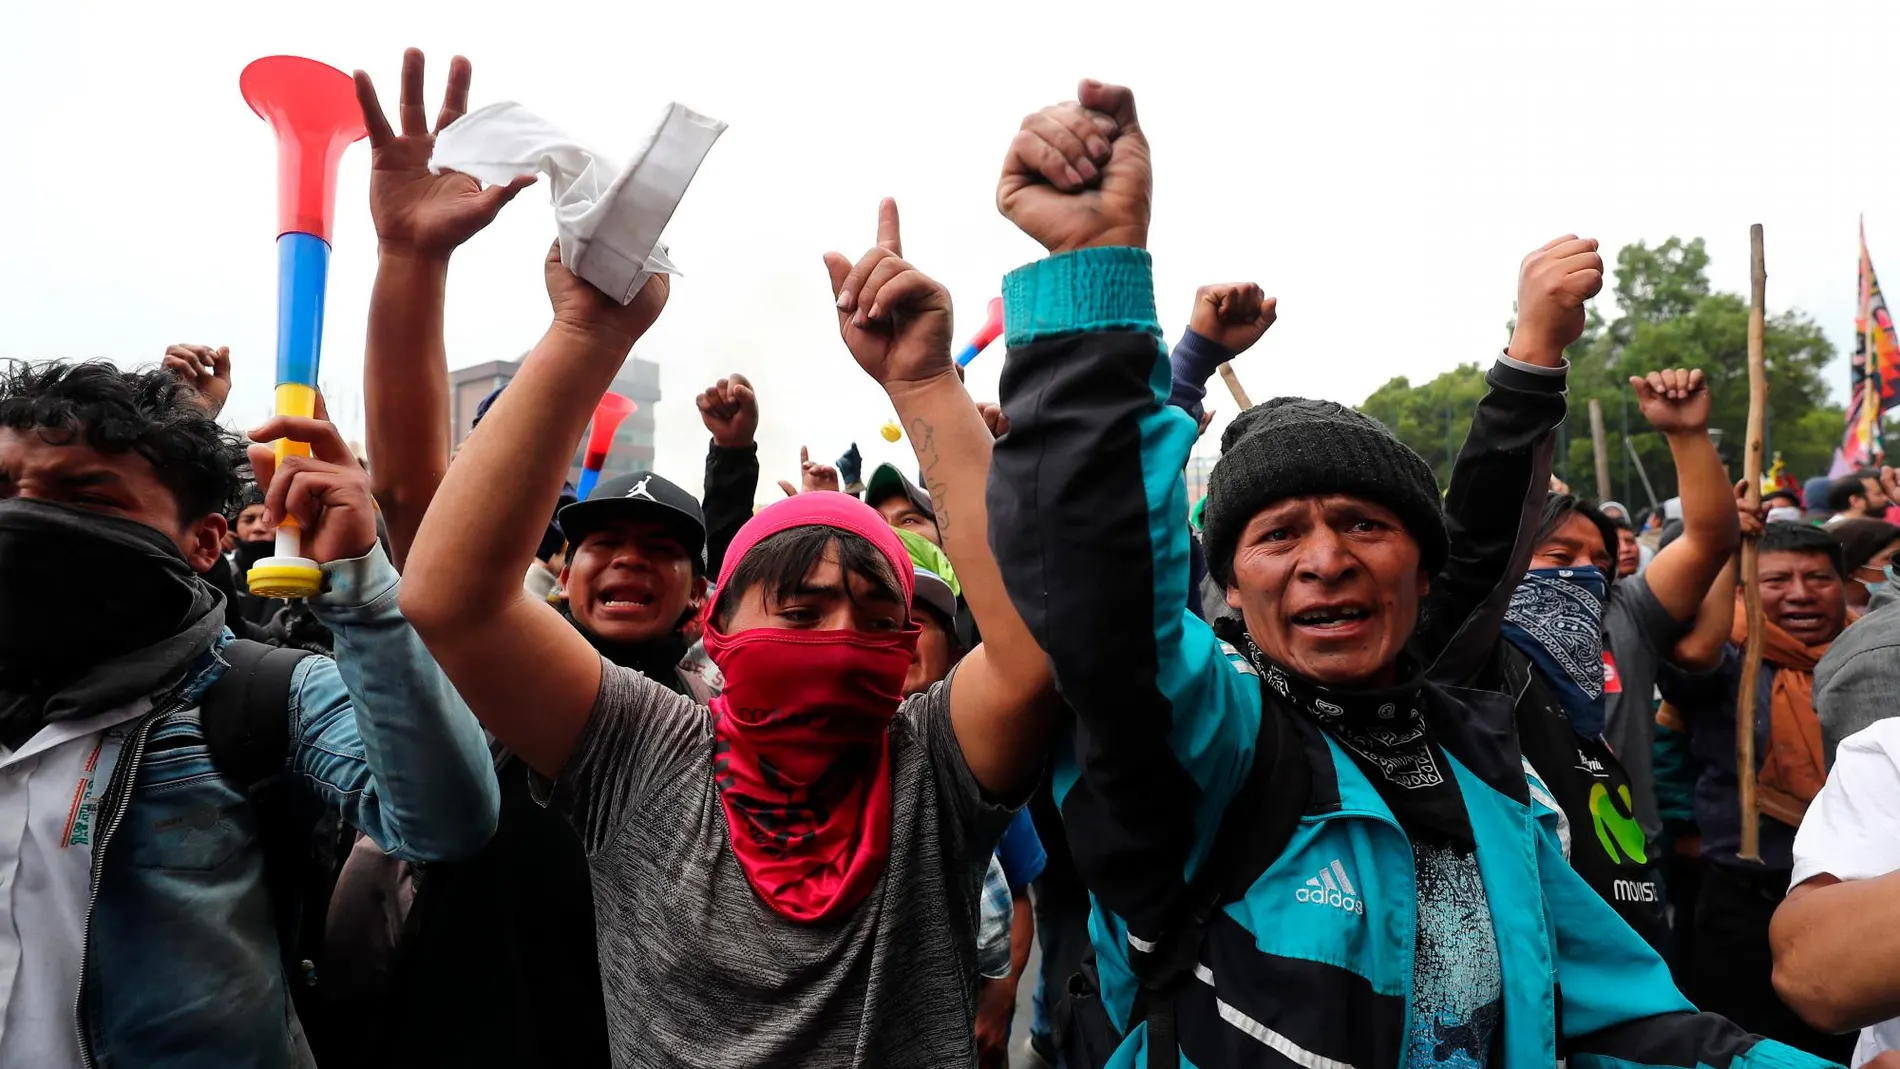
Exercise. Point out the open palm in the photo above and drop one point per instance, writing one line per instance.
(413, 209)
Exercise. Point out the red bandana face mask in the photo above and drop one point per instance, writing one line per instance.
(801, 755)
(801, 750)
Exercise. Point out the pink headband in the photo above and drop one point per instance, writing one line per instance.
(824, 508)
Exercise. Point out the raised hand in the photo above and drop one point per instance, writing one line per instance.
(730, 411)
(205, 370)
(1078, 174)
(328, 491)
(893, 317)
(1232, 315)
(1674, 401)
(1552, 285)
(415, 211)
(584, 310)
(812, 476)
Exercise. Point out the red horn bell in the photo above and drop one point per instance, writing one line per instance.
(312, 109)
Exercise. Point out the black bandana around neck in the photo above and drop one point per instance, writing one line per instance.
(658, 659)
(1385, 732)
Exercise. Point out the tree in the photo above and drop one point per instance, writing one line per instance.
(1667, 317)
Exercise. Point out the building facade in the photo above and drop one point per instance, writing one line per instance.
(638, 380)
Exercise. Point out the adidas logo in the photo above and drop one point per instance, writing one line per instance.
(1332, 888)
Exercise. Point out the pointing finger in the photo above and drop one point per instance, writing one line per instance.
(888, 236)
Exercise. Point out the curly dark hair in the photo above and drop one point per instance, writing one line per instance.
(147, 412)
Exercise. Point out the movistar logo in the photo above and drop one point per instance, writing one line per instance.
(1616, 827)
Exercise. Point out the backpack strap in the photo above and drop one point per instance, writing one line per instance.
(245, 717)
(1254, 830)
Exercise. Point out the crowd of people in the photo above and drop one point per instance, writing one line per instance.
(1341, 769)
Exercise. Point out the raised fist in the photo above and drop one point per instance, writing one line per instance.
(1552, 285)
(894, 318)
(1078, 174)
(1232, 315)
(1674, 401)
(730, 411)
(205, 370)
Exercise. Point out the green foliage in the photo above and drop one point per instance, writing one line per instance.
(1668, 317)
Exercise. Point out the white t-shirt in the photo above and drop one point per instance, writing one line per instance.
(1852, 832)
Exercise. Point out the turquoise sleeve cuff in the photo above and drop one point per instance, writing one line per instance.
(1080, 292)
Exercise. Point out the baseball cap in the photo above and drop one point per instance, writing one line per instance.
(937, 584)
(887, 482)
(639, 495)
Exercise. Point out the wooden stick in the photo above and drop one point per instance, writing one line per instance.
(1751, 552)
(1233, 386)
(1598, 443)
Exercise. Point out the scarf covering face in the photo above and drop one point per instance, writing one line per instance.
(1384, 730)
(801, 733)
(1556, 619)
(1792, 771)
(95, 611)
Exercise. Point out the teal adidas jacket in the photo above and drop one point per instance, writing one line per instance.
(1314, 966)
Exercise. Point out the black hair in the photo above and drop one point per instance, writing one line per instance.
(779, 563)
(1842, 491)
(1558, 508)
(1784, 537)
(1860, 539)
(1671, 531)
(114, 411)
(1781, 492)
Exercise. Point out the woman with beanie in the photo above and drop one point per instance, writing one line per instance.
(1300, 850)
(790, 875)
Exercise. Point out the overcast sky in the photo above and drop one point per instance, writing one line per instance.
(1380, 167)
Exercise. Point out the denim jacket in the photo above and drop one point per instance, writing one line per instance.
(181, 965)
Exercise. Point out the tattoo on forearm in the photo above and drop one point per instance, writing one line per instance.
(923, 437)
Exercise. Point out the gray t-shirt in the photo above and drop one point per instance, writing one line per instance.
(697, 970)
(1641, 633)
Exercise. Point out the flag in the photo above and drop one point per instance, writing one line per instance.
(1777, 477)
(1875, 376)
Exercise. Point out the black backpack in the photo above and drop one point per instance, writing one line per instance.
(1254, 830)
(245, 717)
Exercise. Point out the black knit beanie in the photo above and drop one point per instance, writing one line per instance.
(1291, 447)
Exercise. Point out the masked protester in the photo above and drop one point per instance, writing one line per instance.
(1299, 847)
(789, 874)
(491, 961)
(1867, 547)
(1583, 644)
(1805, 608)
(139, 900)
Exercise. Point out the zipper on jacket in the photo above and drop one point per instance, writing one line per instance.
(119, 793)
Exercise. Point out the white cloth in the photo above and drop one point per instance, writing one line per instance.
(49, 797)
(1852, 832)
(609, 217)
